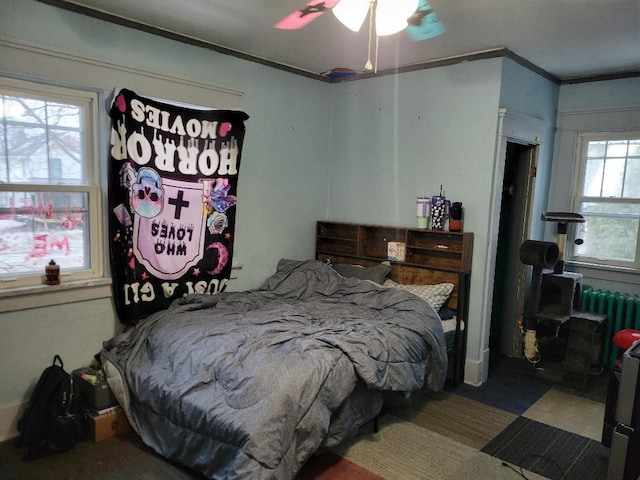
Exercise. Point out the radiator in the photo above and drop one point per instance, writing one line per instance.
(622, 311)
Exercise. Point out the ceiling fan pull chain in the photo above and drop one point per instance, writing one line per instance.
(376, 60)
(368, 66)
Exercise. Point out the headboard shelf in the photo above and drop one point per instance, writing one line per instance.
(450, 251)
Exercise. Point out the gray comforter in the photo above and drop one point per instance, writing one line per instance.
(248, 384)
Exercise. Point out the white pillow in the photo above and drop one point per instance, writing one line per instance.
(435, 295)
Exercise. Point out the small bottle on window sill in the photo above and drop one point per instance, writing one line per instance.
(52, 273)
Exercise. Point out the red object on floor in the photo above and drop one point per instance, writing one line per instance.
(625, 338)
(331, 466)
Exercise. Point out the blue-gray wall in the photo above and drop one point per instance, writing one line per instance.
(400, 137)
(396, 138)
(358, 151)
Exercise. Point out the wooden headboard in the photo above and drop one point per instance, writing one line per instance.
(431, 257)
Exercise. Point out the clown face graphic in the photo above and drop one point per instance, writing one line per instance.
(147, 193)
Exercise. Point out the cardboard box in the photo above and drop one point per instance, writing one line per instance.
(107, 425)
(96, 396)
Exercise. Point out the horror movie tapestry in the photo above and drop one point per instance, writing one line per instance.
(173, 177)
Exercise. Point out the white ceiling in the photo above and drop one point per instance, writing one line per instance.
(568, 39)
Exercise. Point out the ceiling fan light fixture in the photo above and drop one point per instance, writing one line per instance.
(352, 13)
(392, 15)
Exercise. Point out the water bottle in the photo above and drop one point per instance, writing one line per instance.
(439, 211)
(455, 219)
(422, 213)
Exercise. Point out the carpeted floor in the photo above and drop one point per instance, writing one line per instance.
(549, 451)
(515, 426)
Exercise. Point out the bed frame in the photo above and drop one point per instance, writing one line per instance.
(430, 257)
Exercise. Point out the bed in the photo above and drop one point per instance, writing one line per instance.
(251, 384)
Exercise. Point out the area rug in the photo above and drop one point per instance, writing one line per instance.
(473, 423)
(402, 450)
(549, 451)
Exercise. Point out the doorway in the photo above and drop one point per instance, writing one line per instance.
(510, 274)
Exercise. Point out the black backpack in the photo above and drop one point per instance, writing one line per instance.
(52, 422)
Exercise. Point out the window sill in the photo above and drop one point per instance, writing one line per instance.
(38, 296)
(609, 273)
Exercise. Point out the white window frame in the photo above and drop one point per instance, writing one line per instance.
(582, 144)
(21, 285)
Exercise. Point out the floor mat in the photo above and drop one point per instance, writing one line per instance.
(513, 394)
(549, 451)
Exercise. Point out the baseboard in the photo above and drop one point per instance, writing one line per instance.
(9, 416)
(476, 372)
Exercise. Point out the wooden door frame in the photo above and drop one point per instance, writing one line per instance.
(525, 130)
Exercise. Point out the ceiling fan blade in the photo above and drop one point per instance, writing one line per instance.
(305, 15)
(424, 23)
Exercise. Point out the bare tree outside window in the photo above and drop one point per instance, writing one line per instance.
(45, 192)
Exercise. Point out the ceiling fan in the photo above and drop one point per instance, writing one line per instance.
(386, 17)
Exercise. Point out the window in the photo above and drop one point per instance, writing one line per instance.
(49, 194)
(609, 199)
